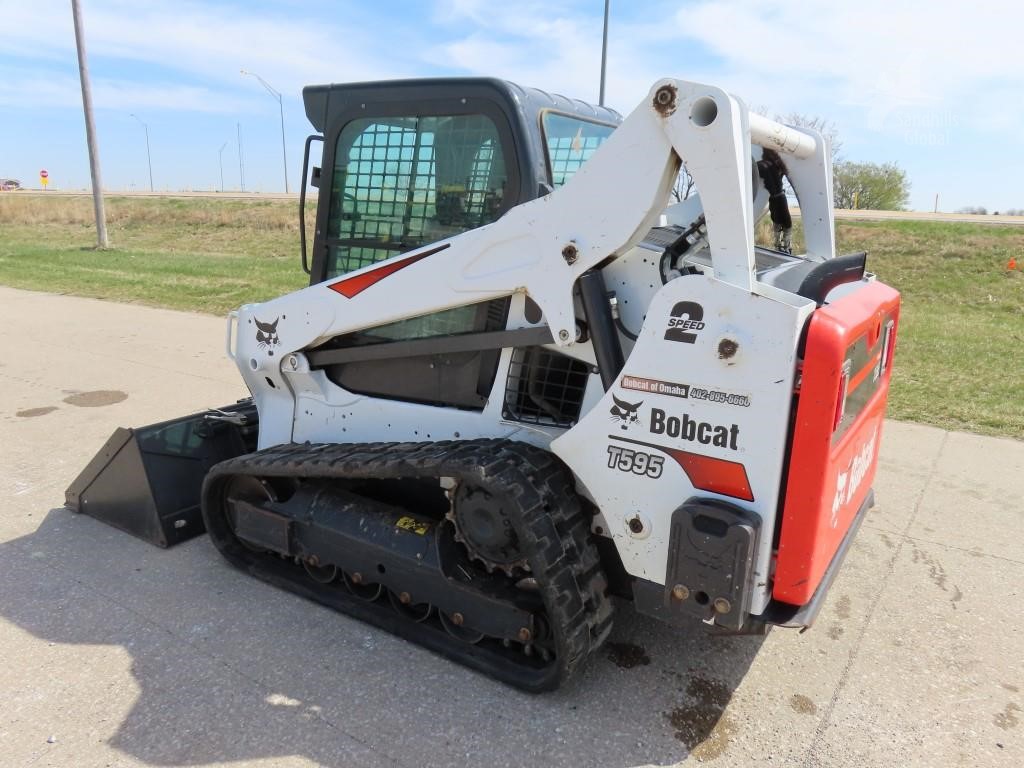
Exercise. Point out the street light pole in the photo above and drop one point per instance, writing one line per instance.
(220, 156)
(280, 105)
(241, 165)
(604, 51)
(90, 129)
(149, 158)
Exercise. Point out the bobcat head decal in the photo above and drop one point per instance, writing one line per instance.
(266, 335)
(625, 413)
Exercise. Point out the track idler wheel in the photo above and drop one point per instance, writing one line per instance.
(254, 490)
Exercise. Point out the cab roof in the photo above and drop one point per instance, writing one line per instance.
(323, 100)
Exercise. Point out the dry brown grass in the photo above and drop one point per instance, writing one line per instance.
(174, 227)
(209, 254)
(134, 212)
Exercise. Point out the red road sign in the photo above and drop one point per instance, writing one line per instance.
(43, 174)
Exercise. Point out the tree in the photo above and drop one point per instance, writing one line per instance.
(683, 186)
(877, 187)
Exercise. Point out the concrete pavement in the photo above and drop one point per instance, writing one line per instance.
(115, 653)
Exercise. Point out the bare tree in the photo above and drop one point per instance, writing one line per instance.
(683, 186)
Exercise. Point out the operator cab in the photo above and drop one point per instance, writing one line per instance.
(410, 162)
(407, 163)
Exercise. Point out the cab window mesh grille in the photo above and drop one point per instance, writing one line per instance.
(403, 182)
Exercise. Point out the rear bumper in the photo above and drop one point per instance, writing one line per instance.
(802, 616)
(656, 600)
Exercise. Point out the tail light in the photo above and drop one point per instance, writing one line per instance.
(888, 344)
(844, 385)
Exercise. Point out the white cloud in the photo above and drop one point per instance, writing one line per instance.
(26, 89)
(875, 55)
(211, 42)
(550, 47)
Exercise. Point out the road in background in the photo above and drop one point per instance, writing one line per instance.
(229, 195)
(958, 218)
(118, 653)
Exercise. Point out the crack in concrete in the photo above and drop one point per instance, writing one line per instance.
(931, 542)
(844, 676)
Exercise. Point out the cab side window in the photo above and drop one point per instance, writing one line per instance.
(570, 142)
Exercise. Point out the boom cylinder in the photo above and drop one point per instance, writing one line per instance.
(604, 337)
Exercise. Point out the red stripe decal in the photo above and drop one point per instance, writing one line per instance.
(350, 287)
(706, 473)
(728, 478)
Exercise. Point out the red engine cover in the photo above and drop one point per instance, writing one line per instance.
(850, 345)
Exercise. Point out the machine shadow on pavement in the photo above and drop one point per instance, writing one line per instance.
(228, 668)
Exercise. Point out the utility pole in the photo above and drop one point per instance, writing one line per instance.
(90, 129)
(280, 105)
(604, 52)
(241, 167)
(220, 156)
(149, 158)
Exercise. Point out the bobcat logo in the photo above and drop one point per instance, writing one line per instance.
(266, 335)
(625, 413)
(849, 482)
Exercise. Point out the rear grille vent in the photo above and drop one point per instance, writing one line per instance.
(545, 387)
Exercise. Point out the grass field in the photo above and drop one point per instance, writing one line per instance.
(959, 361)
(200, 254)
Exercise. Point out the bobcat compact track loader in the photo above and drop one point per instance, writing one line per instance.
(521, 380)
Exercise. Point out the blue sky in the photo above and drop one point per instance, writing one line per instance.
(937, 87)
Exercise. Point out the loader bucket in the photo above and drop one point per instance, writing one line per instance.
(147, 481)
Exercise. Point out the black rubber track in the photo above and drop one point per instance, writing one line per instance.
(553, 529)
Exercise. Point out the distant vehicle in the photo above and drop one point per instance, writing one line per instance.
(9, 185)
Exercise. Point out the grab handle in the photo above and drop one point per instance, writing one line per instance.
(232, 319)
